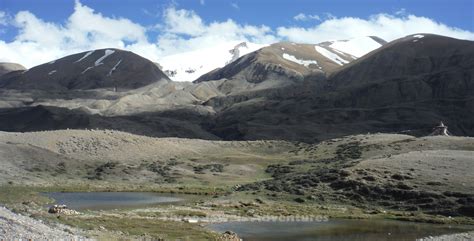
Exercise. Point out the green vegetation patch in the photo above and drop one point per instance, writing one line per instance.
(12, 195)
(138, 226)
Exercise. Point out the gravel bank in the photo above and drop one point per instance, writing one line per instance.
(18, 227)
(468, 236)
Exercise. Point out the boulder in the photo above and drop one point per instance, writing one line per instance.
(229, 236)
(61, 209)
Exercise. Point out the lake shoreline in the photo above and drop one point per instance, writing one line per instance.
(196, 213)
(46, 230)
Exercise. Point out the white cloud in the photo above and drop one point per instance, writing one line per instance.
(329, 16)
(181, 21)
(39, 41)
(386, 26)
(3, 18)
(84, 21)
(181, 30)
(401, 11)
(306, 17)
(235, 5)
(202, 2)
(198, 34)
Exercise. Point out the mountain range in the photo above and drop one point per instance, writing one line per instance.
(245, 91)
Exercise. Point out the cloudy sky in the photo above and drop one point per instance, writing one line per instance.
(37, 31)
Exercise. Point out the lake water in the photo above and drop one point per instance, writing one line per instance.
(332, 230)
(111, 200)
(335, 230)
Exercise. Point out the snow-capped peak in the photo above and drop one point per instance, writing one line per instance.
(191, 65)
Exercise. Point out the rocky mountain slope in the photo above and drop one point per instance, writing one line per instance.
(419, 56)
(178, 123)
(103, 68)
(407, 85)
(281, 64)
(265, 72)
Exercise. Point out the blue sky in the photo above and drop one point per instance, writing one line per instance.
(157, 28)
(457, 13)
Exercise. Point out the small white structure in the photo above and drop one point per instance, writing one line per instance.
(190, 220)
(440, 130)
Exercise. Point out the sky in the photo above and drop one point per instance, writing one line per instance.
(33, 32)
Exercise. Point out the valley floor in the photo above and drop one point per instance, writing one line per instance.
(378, 176)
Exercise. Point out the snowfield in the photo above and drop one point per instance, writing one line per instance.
(357, 46)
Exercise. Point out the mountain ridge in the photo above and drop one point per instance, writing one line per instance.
(407, 84)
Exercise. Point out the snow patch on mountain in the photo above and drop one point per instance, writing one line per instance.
(331, 55)
(88, 68)
(356, 46)
(52, 72)
(191, 65)
(418, 36)
(85, 56)
(114, 68)
(292, 58)
(106, 54)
